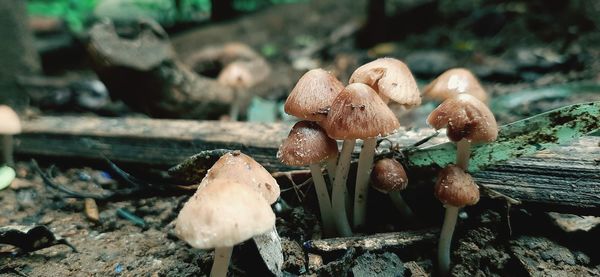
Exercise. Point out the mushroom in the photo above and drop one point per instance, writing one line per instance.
(392, 80)
(388, 176)
(240, 168)
(452, 82)
(222, 215)
(356, 113)
(10, 126)
(313, 94)
(455, 189)
(237, 76)
(468, 121)
(308, 144)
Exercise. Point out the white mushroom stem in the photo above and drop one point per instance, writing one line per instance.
(340, 191)
(363, 173)
(221, 262)
(323, 198)
(398, 201)
(463, 153)
(234, 110)
(331, 164)
(446, 240)
(7, 150)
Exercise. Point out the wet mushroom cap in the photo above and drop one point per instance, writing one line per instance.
(465, 117)
(453, 82)
(391, 78)
(240, 168)
(359, 113)
(388, 175)
(312, 95)
(11, 125)
(456, 187)
(223, 214)
(307, 144)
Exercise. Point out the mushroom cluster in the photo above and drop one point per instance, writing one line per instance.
(231, 205)
(356, 111)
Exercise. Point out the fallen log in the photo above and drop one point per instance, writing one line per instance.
(563, 178)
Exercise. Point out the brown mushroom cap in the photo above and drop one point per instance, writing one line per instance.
(390, 78)
(240, 168)
(307, 144)
(388, 175)
(453, 82)
(223, 214)
(313, 95)
(359, 113)
(11, 125)
(465, 117)
(456, 187)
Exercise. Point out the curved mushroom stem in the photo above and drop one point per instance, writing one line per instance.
(361, 191)
(331, 164)
(446, 240)
(405, 211)
(221, 262)
(463, 153)
(7, 150)
(340, 191)
(323, 198)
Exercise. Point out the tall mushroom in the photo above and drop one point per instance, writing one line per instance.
(468, 121)
(220, 216)
(388, 176)
(392, 80)
(356, 113)
(308, 144)
(455, 189)
(311, 99)
(237, 76)
(452, 82)
(10, 126)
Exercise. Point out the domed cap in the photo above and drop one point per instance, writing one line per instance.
(307, 144)
(240, 168)
(223, 214)
(453, 82)
(465, 117)
(388, 175)
(359, 113)
(236, 75)
(313, 95)
(456, 187)
(391, 78)
(11, 125)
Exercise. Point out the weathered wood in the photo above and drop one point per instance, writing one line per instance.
(565, 178)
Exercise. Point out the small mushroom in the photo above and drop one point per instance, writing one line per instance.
(313, 94)
(241, 168)
(308, 144)
(455, 189)
(356, 113)
(10, 126)
(241, 75)
(452, 82)
(468, 121)
(222, 215)
(388, 176)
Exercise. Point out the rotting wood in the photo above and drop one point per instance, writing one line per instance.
(382, 241)
(565, 178)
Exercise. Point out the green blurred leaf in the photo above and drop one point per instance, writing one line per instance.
(7, 175)
(520, 138)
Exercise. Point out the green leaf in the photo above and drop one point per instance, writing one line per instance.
(7, 175)
(523, 137)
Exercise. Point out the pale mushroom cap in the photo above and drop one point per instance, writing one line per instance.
(223, 214)
(11, 125)
(307, 144)
(359, 113)
(313, 95)
(453, 82)
(240, 168)
(388, 175)
(456, 187)
(465, 117)
(391, 78)
(236, 75)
